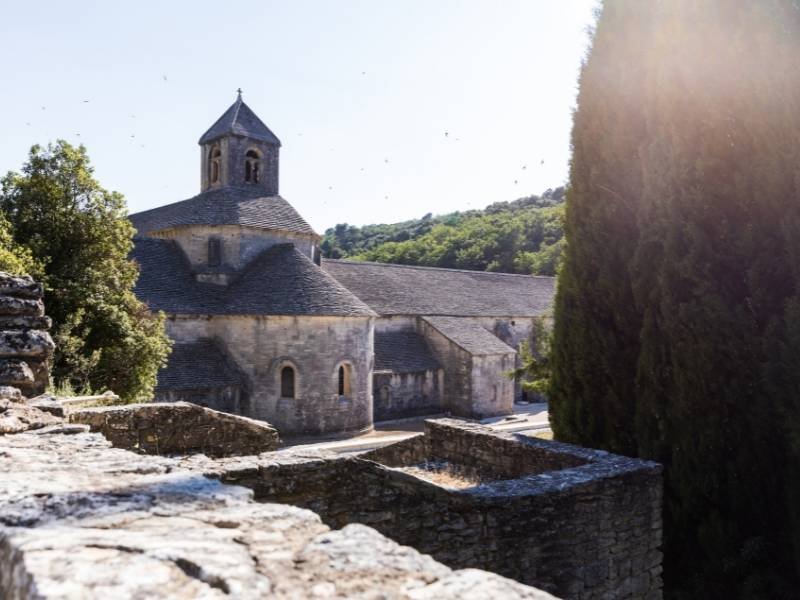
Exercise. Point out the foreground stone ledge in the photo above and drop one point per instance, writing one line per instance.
(80, 519)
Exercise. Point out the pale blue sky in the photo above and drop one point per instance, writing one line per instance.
(463, 98)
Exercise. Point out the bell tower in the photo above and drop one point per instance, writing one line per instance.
(239, 150)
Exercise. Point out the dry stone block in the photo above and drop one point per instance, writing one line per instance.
(14, 371)
(22, 322)
(22, 287)
(8, 392)
(16, 417)
(178, 428)
(32, 343)
(11, 305)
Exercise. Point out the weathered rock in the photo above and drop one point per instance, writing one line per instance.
(14, 371)
(79, 519)
(22, 344)
(178, 428)
(8, 392)
(47, 403)
(11, 305)
(23, 287)
(74, 403)
(16, 417)
(22, 322)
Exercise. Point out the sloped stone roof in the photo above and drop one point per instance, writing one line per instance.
(402, 352)
(198, 365)
(228, 205)
(469, 335)
(239, 119)
(281, 281)
(406, 290)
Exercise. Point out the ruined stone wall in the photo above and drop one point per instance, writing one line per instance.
(579, 523)
(178, 428)
(315, 347)
(401, 395)
(239, 245)
(25, 345)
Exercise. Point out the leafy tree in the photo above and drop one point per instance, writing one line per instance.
(677, 333)
(79, 233)
(14, 259)
(535, 370)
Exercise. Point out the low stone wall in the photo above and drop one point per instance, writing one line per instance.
(25, 345)
(80, 519)
(578, 523)
(178, 428)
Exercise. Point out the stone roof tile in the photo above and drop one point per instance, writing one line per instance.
(281, 281)
(407, 290)
(240, 119)
(402, 352)
(469, 335)
(198, 365)
(228, 205)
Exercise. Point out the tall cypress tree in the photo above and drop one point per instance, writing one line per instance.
(712, 265)
(596, 325)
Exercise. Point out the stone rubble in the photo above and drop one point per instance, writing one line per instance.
(25, 345)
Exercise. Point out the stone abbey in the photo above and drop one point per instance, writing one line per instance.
(265, 327)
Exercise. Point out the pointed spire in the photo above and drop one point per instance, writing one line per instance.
(239, 119)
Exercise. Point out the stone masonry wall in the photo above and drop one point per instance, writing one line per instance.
(457, 365)
(401, 395)
(589, 529)
(315, 347)
(25, 345)
(239, 245)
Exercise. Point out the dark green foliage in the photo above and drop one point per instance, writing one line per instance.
(523, 236)
(534, 371)
(677, 330)
(14, 259)
(79, 234)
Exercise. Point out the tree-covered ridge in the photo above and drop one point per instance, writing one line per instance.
(522, 236)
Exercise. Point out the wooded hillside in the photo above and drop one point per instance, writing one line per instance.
(522, 236)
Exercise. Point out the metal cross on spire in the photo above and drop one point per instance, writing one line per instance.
(239, 91)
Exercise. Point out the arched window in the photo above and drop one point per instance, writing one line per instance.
(214, 160)
(344, 380)
(287, 382)
(252, 166)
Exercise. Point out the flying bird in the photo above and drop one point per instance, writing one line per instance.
(165, 77)
(85, 101)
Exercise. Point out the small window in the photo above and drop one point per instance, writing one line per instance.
(287, 382)
(214, 252)
(214, 159)
(252, 166)
(344, 380)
